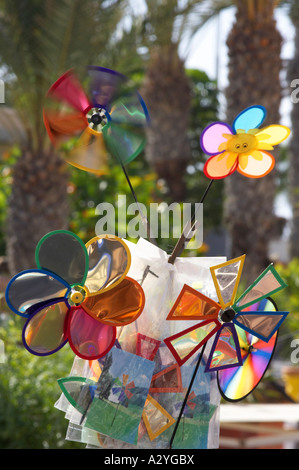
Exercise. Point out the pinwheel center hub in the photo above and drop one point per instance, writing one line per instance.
(242, 143)
(227, 315)
(76, 295)
(97, 118)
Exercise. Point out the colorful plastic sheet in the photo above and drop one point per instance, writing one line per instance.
(120, 414)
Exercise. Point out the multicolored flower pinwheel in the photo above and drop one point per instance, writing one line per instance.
(242, 147)
(78, 293)
(88, 120)
(221, 319)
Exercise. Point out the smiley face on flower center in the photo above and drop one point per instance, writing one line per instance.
(242, 143)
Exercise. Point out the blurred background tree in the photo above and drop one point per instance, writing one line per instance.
(254, 50)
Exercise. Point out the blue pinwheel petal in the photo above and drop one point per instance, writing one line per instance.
(263, 325)
(250, 118)
(31, 287)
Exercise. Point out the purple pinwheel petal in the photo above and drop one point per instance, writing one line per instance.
(104, 85)
(44, 332)
(225, 351)
(212, 137)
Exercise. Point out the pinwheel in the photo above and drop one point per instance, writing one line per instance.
(122, 389)
(220, 319)
(189, 404)
(78, 293)
(242, 147)
(100, 115)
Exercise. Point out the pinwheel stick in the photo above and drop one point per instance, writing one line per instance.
(143, 218)
(188, 231)
(186, 396)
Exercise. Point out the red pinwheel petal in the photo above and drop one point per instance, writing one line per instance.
(89, 338)
(67, 89)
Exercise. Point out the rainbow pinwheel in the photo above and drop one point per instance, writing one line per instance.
(242, 147)
(224, 318)
(87, 120)
(78, 293)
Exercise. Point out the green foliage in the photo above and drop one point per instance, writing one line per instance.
(29, 390)
(6, 164)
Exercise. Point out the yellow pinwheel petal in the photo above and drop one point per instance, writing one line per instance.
(272, 135)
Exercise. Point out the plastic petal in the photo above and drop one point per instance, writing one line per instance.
(226, 277)
(88, 152)
(68, 90)
(89, 338)
(109, 262)
(32, 287)
(156, 418)
(186, 343)
(119, 306)
(193, 305)
(130, 110)
(64, 254)
(168, 380)
(273, 135)
(104, 86)
(221, 165)
(146, 346)
(79, 391)
(256, 165)
(249, 118)
(124, 141)
(212, 137)
(225, 351)
(263, 325)
(267, 284)
(63, 126)
(44, 332)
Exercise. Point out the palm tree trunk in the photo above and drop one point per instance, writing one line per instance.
(39, 194)
(254, 66)
(166, 91)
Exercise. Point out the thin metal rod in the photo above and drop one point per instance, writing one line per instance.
(143, 217)
(179, 248)
(186, 396)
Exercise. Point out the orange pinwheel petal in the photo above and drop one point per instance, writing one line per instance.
(221, 165)
(118, 306)
(256, 165)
